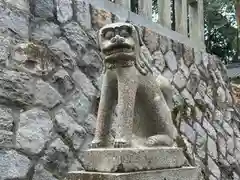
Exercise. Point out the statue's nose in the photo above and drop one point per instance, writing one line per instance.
(117, 39)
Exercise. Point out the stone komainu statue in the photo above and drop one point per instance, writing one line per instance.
(144, 115)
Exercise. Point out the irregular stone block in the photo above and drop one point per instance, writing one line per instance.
(100, 18)
(4, 49)
(79, 106)
(64, 10)
(171, 61)
(68, 126)
(187, 173)
(43, 8)
(158, 60)
(41, 174)
(84, 83)
(165, 44)
(82, 9)
(46, 95)
(15, 21)
(6, 119)
(15, 88)
(20, 4)
(151, 39)
(179, 80)
(13, 165)
(188, 55)
(6, 138)
(131, 159)
(34, 130)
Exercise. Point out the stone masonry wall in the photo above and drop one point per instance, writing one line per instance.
(50, 82)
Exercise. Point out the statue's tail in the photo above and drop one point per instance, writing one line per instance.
(166, 89)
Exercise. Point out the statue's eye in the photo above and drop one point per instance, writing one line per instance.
(124, 33)
(109, 35)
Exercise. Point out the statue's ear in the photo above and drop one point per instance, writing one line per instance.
(98, 42)
(139, 36)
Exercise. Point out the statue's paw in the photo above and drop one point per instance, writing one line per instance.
(96, 143)
(159, 140)
(121, 143)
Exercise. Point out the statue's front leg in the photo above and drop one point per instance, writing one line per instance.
(107, 101)
(127, 87)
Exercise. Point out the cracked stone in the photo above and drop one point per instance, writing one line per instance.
(34, 130)
(188, 97)
(4, 49)
(43, 8)
(83, 14)
(41, 174)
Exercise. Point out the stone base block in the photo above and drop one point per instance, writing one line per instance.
(131, 159)
(186, 173)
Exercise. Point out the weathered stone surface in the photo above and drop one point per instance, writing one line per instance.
(6, 118)
(165, 44)
(131, 159)
(171, 61)
(184, 68)
(15, 88)
(91, 64)
(64, 10)
(6, 138)
(158, 60)
(194, 79)
(46, 95)
(13, 165)
(83, 15)
(63, 82)
(43, 8)
(84, 83)
(15, 21)
(58, 157)
(68, 126)
(150, 38)
(20, 4)
(187, 173)
(188, 97)
(76, 166)
(188, 56)
(188, 131)
(79, 106)
(34, 130)
(100, 18)
(179, 80)
(44, 31)
(212, 148)
(4, 49)
(41, 174)
(168, 74)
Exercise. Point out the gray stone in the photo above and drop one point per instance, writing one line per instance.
(209, 128)
(20, 4)
(171, 60)
(6, 138)
(90, 124)
(212, 148)
(158, 60)
(68, 126)
(41, 174)
(43, 8)
(164, 44)
(168, 74)
(4, 49)
(6, 118)
(64, 10)
(194, 79)
(214, 168)
(63, 82)
(150, 39)
(188, 131)
(34, 130)
(46, 95)
(188, 56)
(100, 17)
(188, 97)
(82, 9)
(79, 106)
(84, 83)
(209, 103)
(186, 173)
(132, 159)
(184, 68)
(205, 59)
(91, 64)
(179, 80)
(15, 88)
(198, 114)
(44, 30)
(15, 21)
(198, 57)
(202, 88)
(76, 166)
(58, 158)
(13, 165)
(201, 135)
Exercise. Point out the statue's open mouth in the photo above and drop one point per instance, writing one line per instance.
(118, 48)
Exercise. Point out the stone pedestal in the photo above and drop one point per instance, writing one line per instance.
(163, 163)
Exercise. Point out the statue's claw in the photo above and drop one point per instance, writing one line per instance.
(159, 140)
(121, 143)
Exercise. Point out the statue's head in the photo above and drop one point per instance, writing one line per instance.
(118, 40)
(121, 41)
